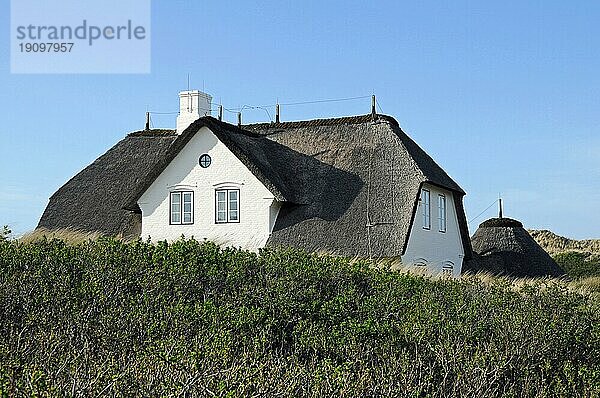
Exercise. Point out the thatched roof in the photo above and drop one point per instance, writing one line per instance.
(94, 199)
(389, 169)
(349, 185)
(504, 247)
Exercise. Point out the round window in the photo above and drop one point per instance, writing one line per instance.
(205, 160)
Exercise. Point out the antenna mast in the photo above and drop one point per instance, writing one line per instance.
(500, 207)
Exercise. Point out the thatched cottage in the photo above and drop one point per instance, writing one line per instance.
(354, 186)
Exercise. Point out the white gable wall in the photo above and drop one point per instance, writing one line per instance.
(258, 208)
(430, 246)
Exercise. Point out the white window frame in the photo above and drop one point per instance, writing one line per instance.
(447, 268)
(426, 208)
(442, 213)
(181, 201)
(420, 262)
(228, 210)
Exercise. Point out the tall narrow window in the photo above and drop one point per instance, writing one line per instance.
(442, 212)
(187, 208)
(221, 206)
(233, 206)
(426, 208)
(175, 208)
(227, 205)
(182, 208)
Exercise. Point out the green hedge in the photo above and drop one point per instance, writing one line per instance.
(189, 318)
(578, 264)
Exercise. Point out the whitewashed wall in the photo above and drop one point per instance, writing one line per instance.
(430, 246)
(258, 208)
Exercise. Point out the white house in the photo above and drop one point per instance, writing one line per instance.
(354, 186)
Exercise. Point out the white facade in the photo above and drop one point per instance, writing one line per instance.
(258, 208)
(430, 249)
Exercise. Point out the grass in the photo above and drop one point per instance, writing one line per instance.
(66, 235)
(589, 285)
(108, 317)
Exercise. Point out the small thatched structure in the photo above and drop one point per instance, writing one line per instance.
(504, 247)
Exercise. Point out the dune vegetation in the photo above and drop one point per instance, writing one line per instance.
(555, 244)
(107, 317)
(580, 259)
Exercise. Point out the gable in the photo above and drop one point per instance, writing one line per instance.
(255, 152)
(184, 170)
(438, 244)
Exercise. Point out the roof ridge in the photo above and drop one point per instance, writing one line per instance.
(153, 133)
(323, 122)
(356, 119)
(501, 222)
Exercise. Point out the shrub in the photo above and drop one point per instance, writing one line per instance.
(5, 233)
(107, 317)
(578, 264)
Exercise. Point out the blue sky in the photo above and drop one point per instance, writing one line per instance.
(503, 95)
